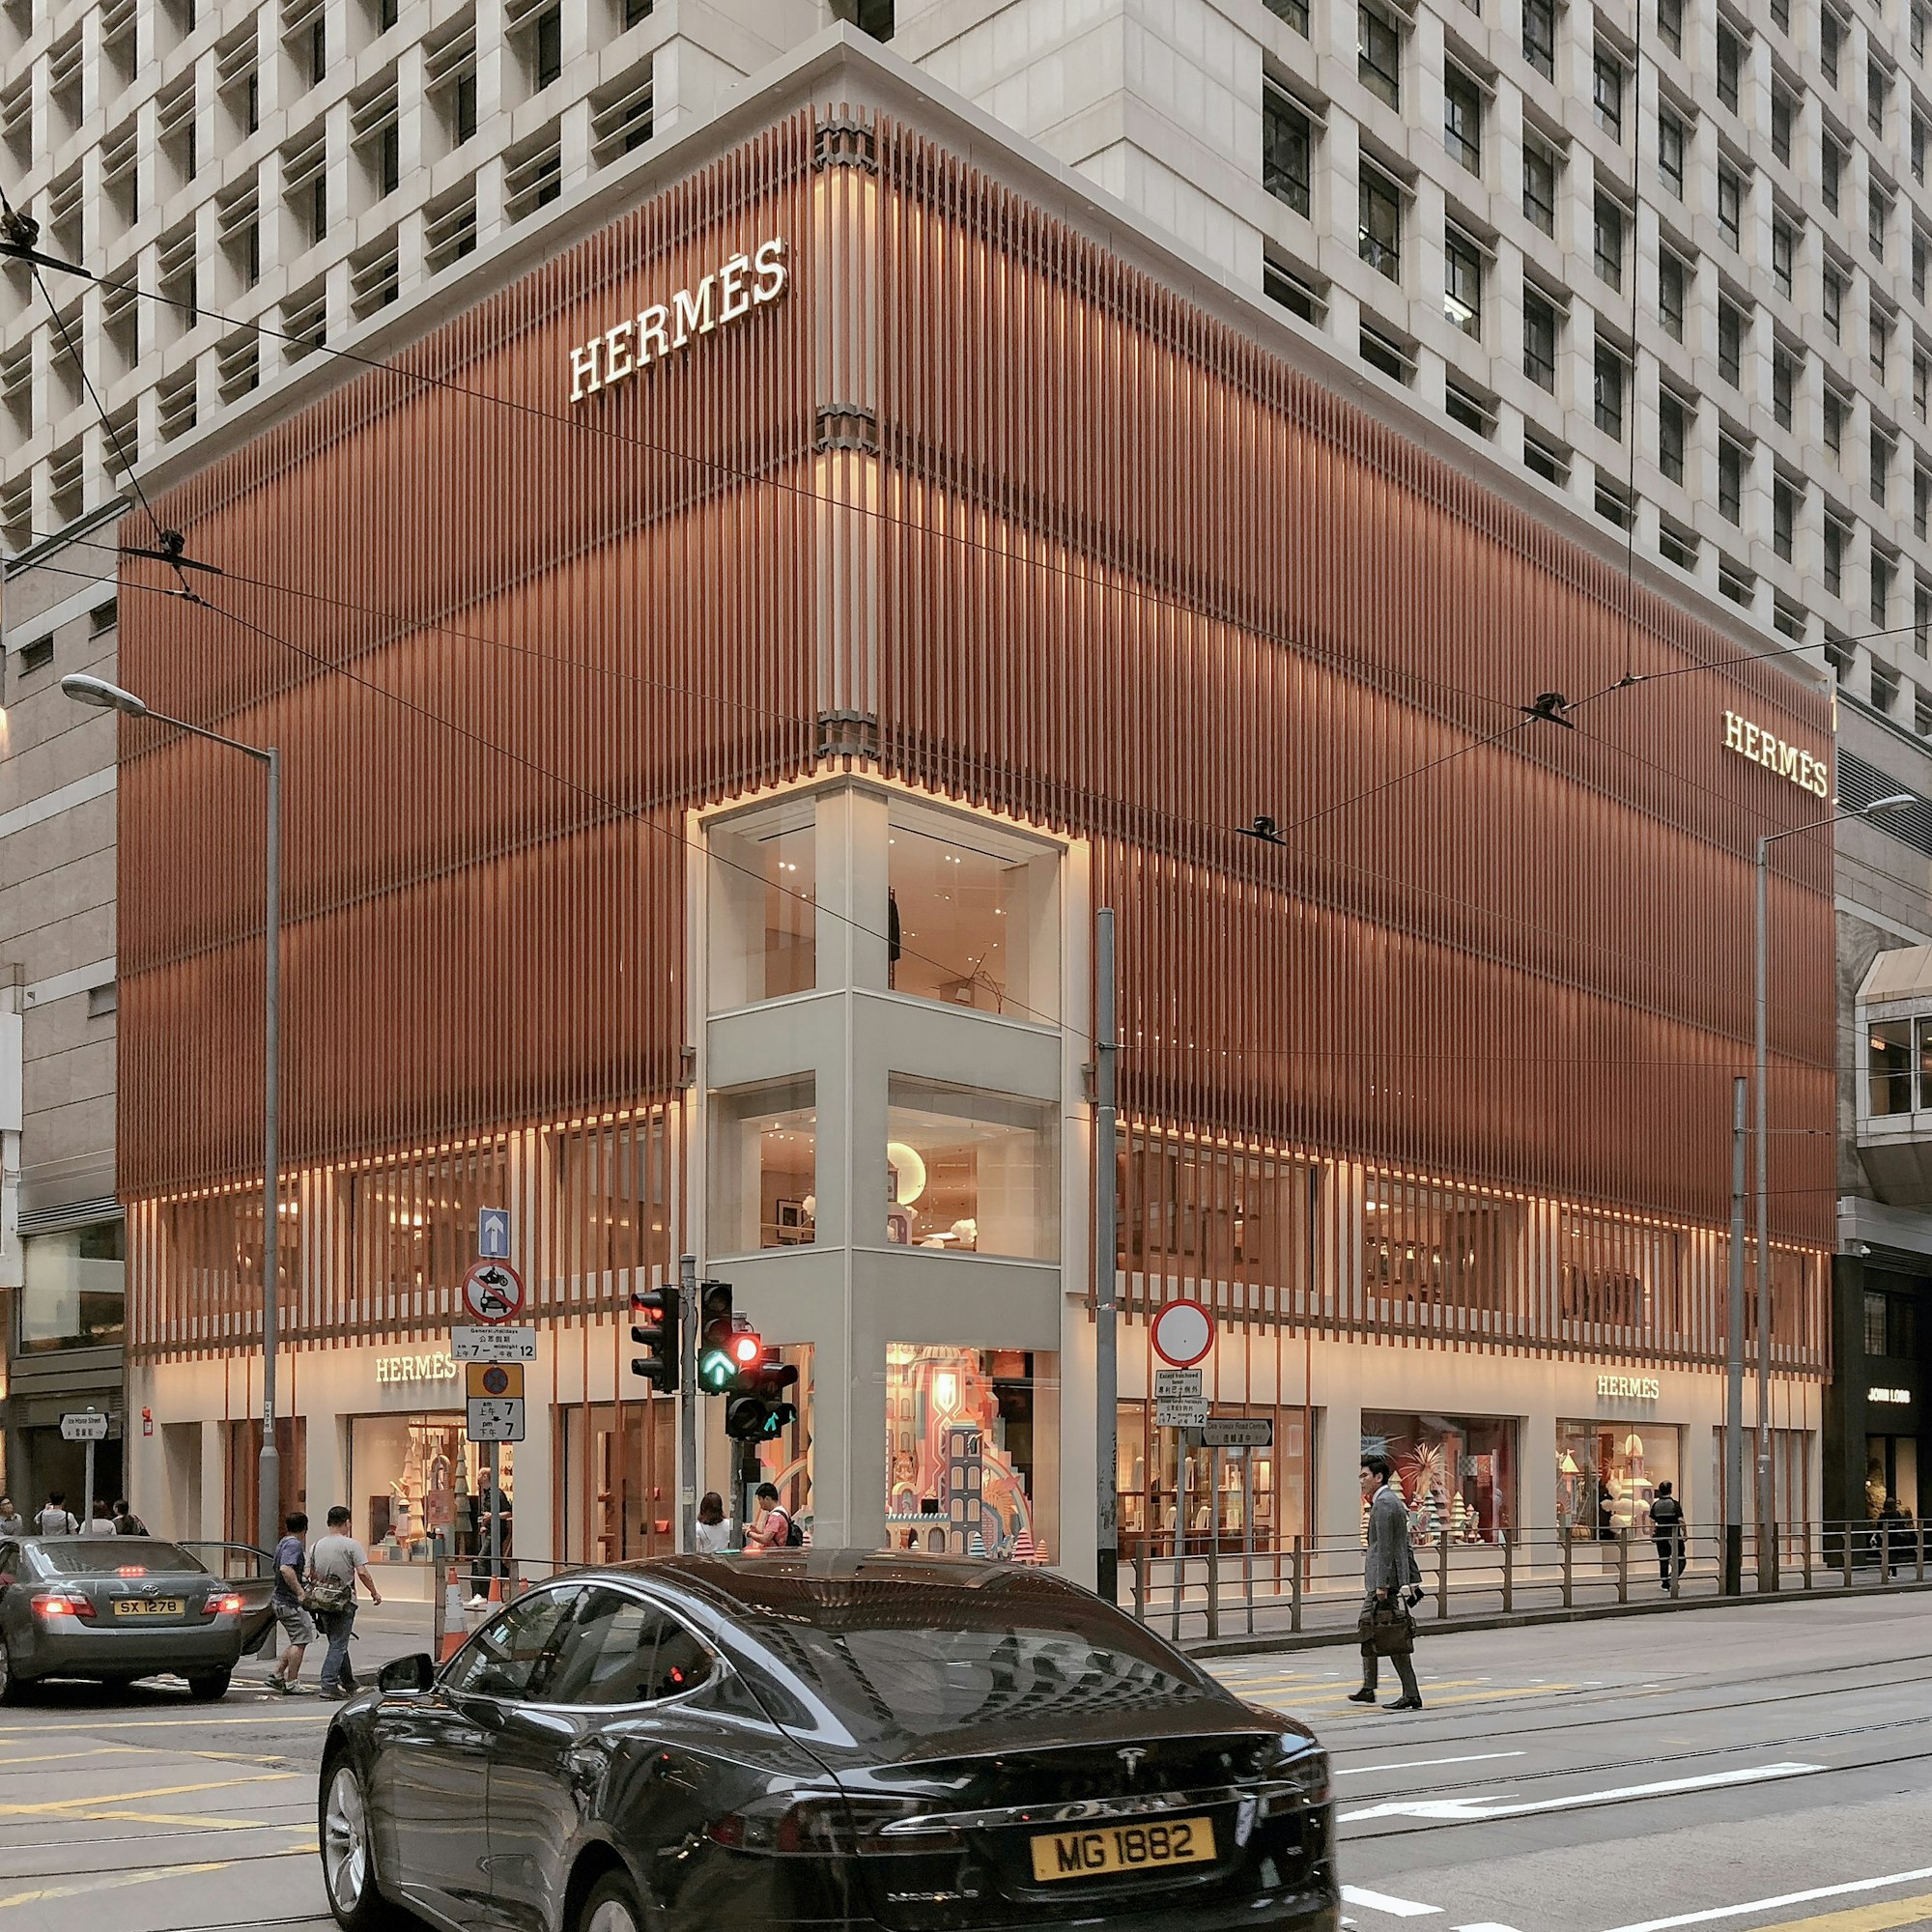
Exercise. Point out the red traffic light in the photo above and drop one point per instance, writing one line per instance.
(745, 1347)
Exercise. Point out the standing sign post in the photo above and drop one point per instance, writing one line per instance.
(90, 1427)
(493, 1292)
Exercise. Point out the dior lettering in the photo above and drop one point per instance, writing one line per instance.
(745, 282)
(1762, 745)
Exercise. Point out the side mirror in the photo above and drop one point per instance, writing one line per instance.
(406, 1673)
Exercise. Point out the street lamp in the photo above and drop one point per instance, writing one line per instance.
(107, 696)
(1767, 1528)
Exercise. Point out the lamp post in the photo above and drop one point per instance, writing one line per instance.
(1766, 1529)
(105, 696)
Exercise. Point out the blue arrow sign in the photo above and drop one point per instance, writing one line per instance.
(492, 1234)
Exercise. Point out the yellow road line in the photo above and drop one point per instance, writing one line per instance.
(53, 1805)
(172, 1724)
(1900, 1912)
(41, 1894)
(7, 1764)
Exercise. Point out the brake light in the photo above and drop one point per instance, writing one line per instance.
(58, 1603)
(813, 1824)
(132, 1569)
(228, 1606)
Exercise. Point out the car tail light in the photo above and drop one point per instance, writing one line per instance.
(229, 1605)
(825, 1824)
(60, 1603)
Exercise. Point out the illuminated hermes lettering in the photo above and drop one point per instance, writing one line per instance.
(746, 281)
(1762, 745)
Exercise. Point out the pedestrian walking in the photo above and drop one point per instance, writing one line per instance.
(492, 1506)
(713, 1530)
(1896, 1529)
(1391, 1583)
(55, 1518)
(335, 1566)
(11, 1522)
(101, 1522)
(297, 1626)
(1666, 1524)
(125, 1522)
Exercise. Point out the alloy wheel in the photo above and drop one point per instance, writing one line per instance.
(613, 1915)
(345, 1841)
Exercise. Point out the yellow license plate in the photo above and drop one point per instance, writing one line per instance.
(147, 1607)
(1117, 1848)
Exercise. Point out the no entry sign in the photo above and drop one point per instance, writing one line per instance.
(1184, 1332)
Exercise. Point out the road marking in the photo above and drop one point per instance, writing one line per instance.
(68, 1757)
(1472, 1810)
(1783, 1899)
(41, 1893)
(1484, 1926)
(135, 1797)
(1425, 1764)
(1901, 1912)
(1380, 1901)
(283, 1717)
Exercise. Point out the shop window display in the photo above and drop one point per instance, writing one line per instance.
(973, 916)
(1436, 1250)
(764, 909)
(1455, 1472)
(1607, 1474)
(973, 1451)
(414, 1227)
(971, 1171)
(764, 1152)
(73, 1295)
(415, 1485)
(1268, 1490)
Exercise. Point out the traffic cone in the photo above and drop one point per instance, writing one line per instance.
(496, 1587)
(454, 1627)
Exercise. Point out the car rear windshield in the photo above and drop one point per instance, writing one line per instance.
(927, 1661)
(113, 1556)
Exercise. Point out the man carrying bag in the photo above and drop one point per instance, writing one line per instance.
(1390, 1576)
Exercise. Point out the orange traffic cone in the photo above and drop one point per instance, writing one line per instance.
(454, 1627)
(495, 1588)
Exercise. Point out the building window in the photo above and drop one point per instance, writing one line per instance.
(1878, 220)
(1613, 503)
(547, 47)
(1921, 382)
(1294, 11)
(1608, 241)
(1678, 547)
(1836, 537)
(1921, 262)
(1922, 500)
(1730, 205)
(764, 914)
(1672, 291)
(1539, 184)
(1295, 292)
(1837, 410)
(466, 105)
(72, 1293)
(1462, 282)
(1671, 151)
(1921, 134)
(1833, 304)
(1466, 406)
(1545, 460)
(1830, 171)
(1780, 15)
(1287, 141)
(1731, 328)
(1539, 36)
(764, 1167)
(1673, 434)
(1784, 371)
(1784, 252)
(1884, 573)
(1884, 688)
(1381, 351)
(318, 50)
(1462, 119)
(1616, 1470)
(1731, 464)
(1379, 237)
(1606, 93)
(1922, 618)
(1378, 54)
(1880, 450)
(1832, 32)
(1783, 109)
(1730, 66)
(103, 1000)
(1670, 25)
(970, 1172)
(1785, 501)
(1457, 1475)
(1787, 619)
(1612, 371)
(1538, 338)
(1878, 94)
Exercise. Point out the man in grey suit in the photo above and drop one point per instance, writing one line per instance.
(1389, 1570)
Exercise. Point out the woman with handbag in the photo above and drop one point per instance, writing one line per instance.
(1390, 1576)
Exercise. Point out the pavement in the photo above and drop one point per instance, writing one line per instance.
(1762, 1767)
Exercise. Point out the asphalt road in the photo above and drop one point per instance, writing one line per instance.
(1748, 1769)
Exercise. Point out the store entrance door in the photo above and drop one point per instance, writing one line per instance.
(620, 1481)
(1892, 1469)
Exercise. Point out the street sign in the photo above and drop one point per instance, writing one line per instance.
(492, 1234)
(1238, 1432)
(493, 1291)
(493, 1345)
(86, 1425)
(1184, 1332)
(1169, 1383)
(1186, 1411)
(494, 1393)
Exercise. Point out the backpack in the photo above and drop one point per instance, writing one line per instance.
(794, 1537)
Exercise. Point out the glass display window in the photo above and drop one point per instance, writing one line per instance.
(1455, 1472)
(973, 915)
(1608, 1475)
(415, 1486)
(969, 1171)
(764, 904)
(764, 1156)
(1170, 1502)
(973, 1451)
(73, 1295)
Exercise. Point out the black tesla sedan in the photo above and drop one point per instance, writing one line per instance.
(827, 1739)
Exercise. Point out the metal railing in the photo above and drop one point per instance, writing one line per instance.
(1218, 1587)
(480, 1593)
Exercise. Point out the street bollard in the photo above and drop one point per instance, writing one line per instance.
(1679, 1548)
(1509, 1573)
(1623, 1566)
(1569, 1557)
(1847, 1540)
(1294, 1585)
(1442, 1573)
(1140, 1589)
(1808, 1556)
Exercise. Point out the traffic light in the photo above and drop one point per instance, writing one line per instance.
(716, 1364)
(758, 1412)
(655, 1313)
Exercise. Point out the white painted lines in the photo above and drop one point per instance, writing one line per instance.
(1721, 1912)
(1424, 1763)
(1475, 1808)
(1380, 1901)
(1485, 1925)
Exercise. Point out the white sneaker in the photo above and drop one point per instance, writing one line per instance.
(477, 1603)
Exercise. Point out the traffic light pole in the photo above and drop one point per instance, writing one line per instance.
(687, 1404)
